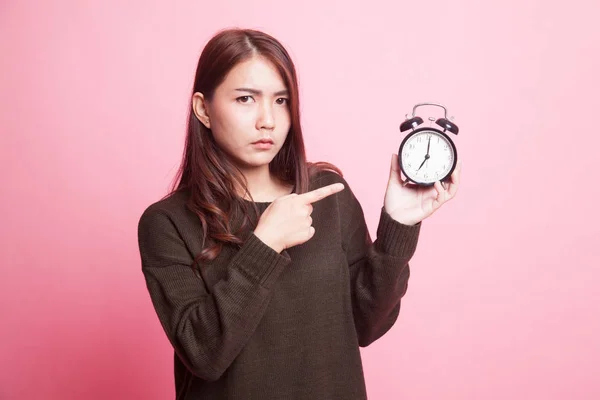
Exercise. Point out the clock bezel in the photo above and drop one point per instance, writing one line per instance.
(415, 132)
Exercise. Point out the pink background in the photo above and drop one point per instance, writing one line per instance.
(503, 301)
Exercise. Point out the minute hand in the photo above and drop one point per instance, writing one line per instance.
(426, 155)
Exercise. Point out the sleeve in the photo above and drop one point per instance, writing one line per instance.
(207, 330)
(379, 271)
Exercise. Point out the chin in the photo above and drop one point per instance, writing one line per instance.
(257, 162)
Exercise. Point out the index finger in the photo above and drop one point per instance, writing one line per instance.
(321, 193)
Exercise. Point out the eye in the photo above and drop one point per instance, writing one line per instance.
(244, 99)
(282, 100)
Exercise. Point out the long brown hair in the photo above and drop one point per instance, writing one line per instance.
(207, 172)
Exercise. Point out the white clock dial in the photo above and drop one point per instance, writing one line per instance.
(420, 168)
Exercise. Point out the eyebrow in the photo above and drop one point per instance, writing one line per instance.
(259, 92)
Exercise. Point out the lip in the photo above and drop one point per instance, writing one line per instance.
(263, 144)
(270, 141)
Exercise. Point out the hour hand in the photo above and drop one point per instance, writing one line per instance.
(422, 163)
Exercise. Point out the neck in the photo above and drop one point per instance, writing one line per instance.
(263, 186)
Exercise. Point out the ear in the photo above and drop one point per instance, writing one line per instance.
(200, 109)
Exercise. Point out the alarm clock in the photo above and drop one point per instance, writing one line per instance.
(427, 154)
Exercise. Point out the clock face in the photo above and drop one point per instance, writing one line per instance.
(427, 156)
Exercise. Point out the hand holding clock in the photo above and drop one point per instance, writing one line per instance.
(410, 204)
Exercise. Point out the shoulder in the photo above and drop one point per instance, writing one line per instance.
(346, 199)
(324, 177)
(347, 207)
(168, 226)
(165, 234)
(167, 208)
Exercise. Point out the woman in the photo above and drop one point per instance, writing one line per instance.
(259, 264)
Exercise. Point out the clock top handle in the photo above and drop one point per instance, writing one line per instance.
(430, 104)
(443, 122)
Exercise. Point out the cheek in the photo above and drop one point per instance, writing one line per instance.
(231, 127)
(284, 118)
(240, 120)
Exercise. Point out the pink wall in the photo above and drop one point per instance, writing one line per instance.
(503, 301)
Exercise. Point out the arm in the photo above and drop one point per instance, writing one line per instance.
(207, 330)
(379, 271)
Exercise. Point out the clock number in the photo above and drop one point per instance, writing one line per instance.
(411, 146)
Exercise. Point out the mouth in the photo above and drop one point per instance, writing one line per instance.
(263, 141)
(263, 144)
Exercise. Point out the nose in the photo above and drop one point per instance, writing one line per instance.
(266, 119)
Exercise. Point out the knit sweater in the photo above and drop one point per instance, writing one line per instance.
(258, 324)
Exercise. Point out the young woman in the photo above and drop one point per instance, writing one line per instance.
(259, 264)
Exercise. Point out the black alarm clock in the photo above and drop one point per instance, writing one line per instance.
(427, 154)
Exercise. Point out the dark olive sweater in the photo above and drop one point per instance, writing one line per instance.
(257, 324)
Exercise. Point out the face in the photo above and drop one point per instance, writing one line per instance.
(248, 113)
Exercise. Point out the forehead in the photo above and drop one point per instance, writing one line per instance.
(256, 73)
